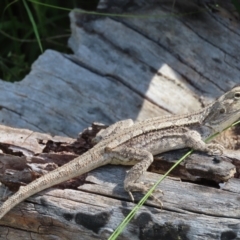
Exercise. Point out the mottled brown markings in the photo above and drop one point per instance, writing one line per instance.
(136, 145)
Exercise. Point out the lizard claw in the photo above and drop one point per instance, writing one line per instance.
(131, 196)
(150, 185)
(144, 187)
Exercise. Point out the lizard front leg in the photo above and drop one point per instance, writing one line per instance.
(194, 140)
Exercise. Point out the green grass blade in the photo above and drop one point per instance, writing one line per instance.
(129, 217)
(52, 6)
(33, 24)
(143, 200)
(120, 15)
(6, 9)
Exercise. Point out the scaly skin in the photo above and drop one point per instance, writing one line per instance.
(135, 144)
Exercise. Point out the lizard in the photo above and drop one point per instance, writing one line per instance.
(129, 143)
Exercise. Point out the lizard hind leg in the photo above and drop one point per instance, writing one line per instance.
(141, 159)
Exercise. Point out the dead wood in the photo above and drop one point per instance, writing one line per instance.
(137, 67)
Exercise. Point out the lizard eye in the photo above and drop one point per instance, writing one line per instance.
(222, 110)
(237, 95)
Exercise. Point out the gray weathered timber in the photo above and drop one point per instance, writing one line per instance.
(196, 60)
(126, 143)
(148, 66)
(94, 212)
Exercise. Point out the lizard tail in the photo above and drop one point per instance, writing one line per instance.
(76, 167)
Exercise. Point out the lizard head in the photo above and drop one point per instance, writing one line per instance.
(224, 111)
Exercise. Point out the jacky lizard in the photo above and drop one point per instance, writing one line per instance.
(135, 144)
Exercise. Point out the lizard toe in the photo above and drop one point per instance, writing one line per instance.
(144, 188)
(215, 149)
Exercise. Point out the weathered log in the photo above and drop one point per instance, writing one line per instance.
(123, 67)
(136, 67)
(100, 203)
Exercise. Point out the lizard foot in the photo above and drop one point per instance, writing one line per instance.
(215, 149)
(147, 186)
(144, 188)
